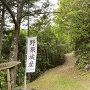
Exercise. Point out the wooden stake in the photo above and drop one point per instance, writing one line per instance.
(8, 79)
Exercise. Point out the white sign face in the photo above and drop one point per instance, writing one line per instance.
(31, 54)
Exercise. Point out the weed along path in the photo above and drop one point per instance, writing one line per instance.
(63, 77)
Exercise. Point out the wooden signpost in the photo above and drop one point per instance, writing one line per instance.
(8, 66)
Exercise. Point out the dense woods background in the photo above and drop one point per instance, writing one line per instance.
(67, 31)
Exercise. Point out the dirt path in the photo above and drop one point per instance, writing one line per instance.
(69, 63)
(70, 58)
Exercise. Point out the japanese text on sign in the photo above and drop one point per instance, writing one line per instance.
(31, 54)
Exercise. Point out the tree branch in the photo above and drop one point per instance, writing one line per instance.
(10, 11)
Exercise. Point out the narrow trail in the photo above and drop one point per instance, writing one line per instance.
(70, 58)
(69, 63)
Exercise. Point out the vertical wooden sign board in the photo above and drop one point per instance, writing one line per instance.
(9, 66)
(31, 54)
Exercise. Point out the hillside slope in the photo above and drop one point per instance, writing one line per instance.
(63, 77)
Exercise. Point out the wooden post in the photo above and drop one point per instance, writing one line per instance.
(8, 79)
(10, 66)
(12, 77)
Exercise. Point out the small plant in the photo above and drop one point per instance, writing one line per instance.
(83, 60)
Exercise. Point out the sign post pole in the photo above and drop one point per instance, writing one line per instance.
(25, 80)
(25, 77)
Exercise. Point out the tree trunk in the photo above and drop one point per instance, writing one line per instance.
(1, 29)
(13, 57)
(14, 45)
(1, 34)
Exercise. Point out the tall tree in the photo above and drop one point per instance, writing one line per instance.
(14, 45)
(19, 5)
(2, 9)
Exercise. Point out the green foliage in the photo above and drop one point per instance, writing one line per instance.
(35, 75)
(50, 52)
(3, 80)
(21, 57)
(73, 28)
(83, 56)
(6, 43)
(20, 75)
(82, 39)
(62, 27)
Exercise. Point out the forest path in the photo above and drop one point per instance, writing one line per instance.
(63, 77)
(69, 63)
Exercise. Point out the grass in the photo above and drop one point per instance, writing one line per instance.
(63, 77)
(65, 82)
(68, 79)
